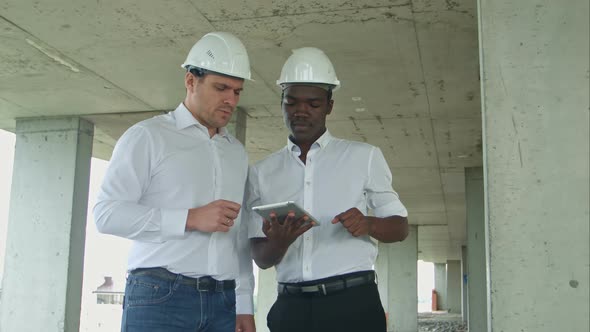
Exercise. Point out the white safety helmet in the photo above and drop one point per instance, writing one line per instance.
(220, 52)
(308, 65)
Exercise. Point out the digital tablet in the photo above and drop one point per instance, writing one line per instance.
(281, 210)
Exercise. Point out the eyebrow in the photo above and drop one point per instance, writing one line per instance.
(225, 86)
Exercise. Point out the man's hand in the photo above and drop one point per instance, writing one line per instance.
(385, 229)
(217, 216)
(269, 251)
(354, 221)
(286, 231)
(245, 323)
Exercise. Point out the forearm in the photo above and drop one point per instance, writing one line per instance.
(389, 229)
(267, 253)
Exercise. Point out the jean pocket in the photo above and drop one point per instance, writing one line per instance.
(146, 290)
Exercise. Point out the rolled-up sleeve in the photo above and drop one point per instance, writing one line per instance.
(381, 197)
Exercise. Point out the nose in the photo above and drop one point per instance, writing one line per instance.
(301, 109)
(231, 99)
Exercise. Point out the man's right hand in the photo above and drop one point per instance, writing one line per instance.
(217, 216)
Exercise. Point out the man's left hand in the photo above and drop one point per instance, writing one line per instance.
(245, 323)
(354, 221)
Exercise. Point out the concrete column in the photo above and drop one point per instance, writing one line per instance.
(535, 83)
(267, 295)
(402, 283)
(464, 269)
(476, 256)
(47, 221)
(454, 281)
(440, 285)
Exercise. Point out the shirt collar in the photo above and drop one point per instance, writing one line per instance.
(184, 119)
(321, 142)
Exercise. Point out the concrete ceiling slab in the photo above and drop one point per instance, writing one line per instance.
(409, 73)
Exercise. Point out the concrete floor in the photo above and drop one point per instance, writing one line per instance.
(440, 321)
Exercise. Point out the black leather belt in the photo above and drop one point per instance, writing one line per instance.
(202, 284)
(328, 285)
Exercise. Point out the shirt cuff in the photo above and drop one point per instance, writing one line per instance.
(392, 209)
(244, 304)
(173, 223)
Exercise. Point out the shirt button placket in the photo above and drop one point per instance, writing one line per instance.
(308, 237)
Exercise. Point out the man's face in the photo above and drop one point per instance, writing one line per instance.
(305, 109)
(212, 98)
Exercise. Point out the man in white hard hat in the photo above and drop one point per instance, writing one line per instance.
(325, 271)
(174, 186)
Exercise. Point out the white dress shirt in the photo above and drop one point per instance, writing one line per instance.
(161, 168)
(338, 175)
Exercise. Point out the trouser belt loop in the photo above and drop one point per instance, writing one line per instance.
(200, 285)
(323, 288)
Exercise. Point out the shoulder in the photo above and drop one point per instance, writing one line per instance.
(354, 146)
(152, 124)
(156, 123)
(159, 127)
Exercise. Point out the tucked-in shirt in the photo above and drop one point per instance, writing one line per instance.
(161, 168)
(337, 175)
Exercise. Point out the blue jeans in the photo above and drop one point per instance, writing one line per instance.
(155, 304)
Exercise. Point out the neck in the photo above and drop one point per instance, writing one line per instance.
(212, 130)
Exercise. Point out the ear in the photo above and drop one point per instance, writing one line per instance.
(189, 81)
(330, 106)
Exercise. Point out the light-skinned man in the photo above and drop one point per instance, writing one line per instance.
(175, 186)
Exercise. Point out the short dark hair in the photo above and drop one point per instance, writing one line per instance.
(198, 72)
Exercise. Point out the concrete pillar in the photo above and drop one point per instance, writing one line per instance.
(440, 285)
(535, 83)
(476, 256)
(402, 283)
(454, 281)
(47, 221)
(464, 271)
(267, 295)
